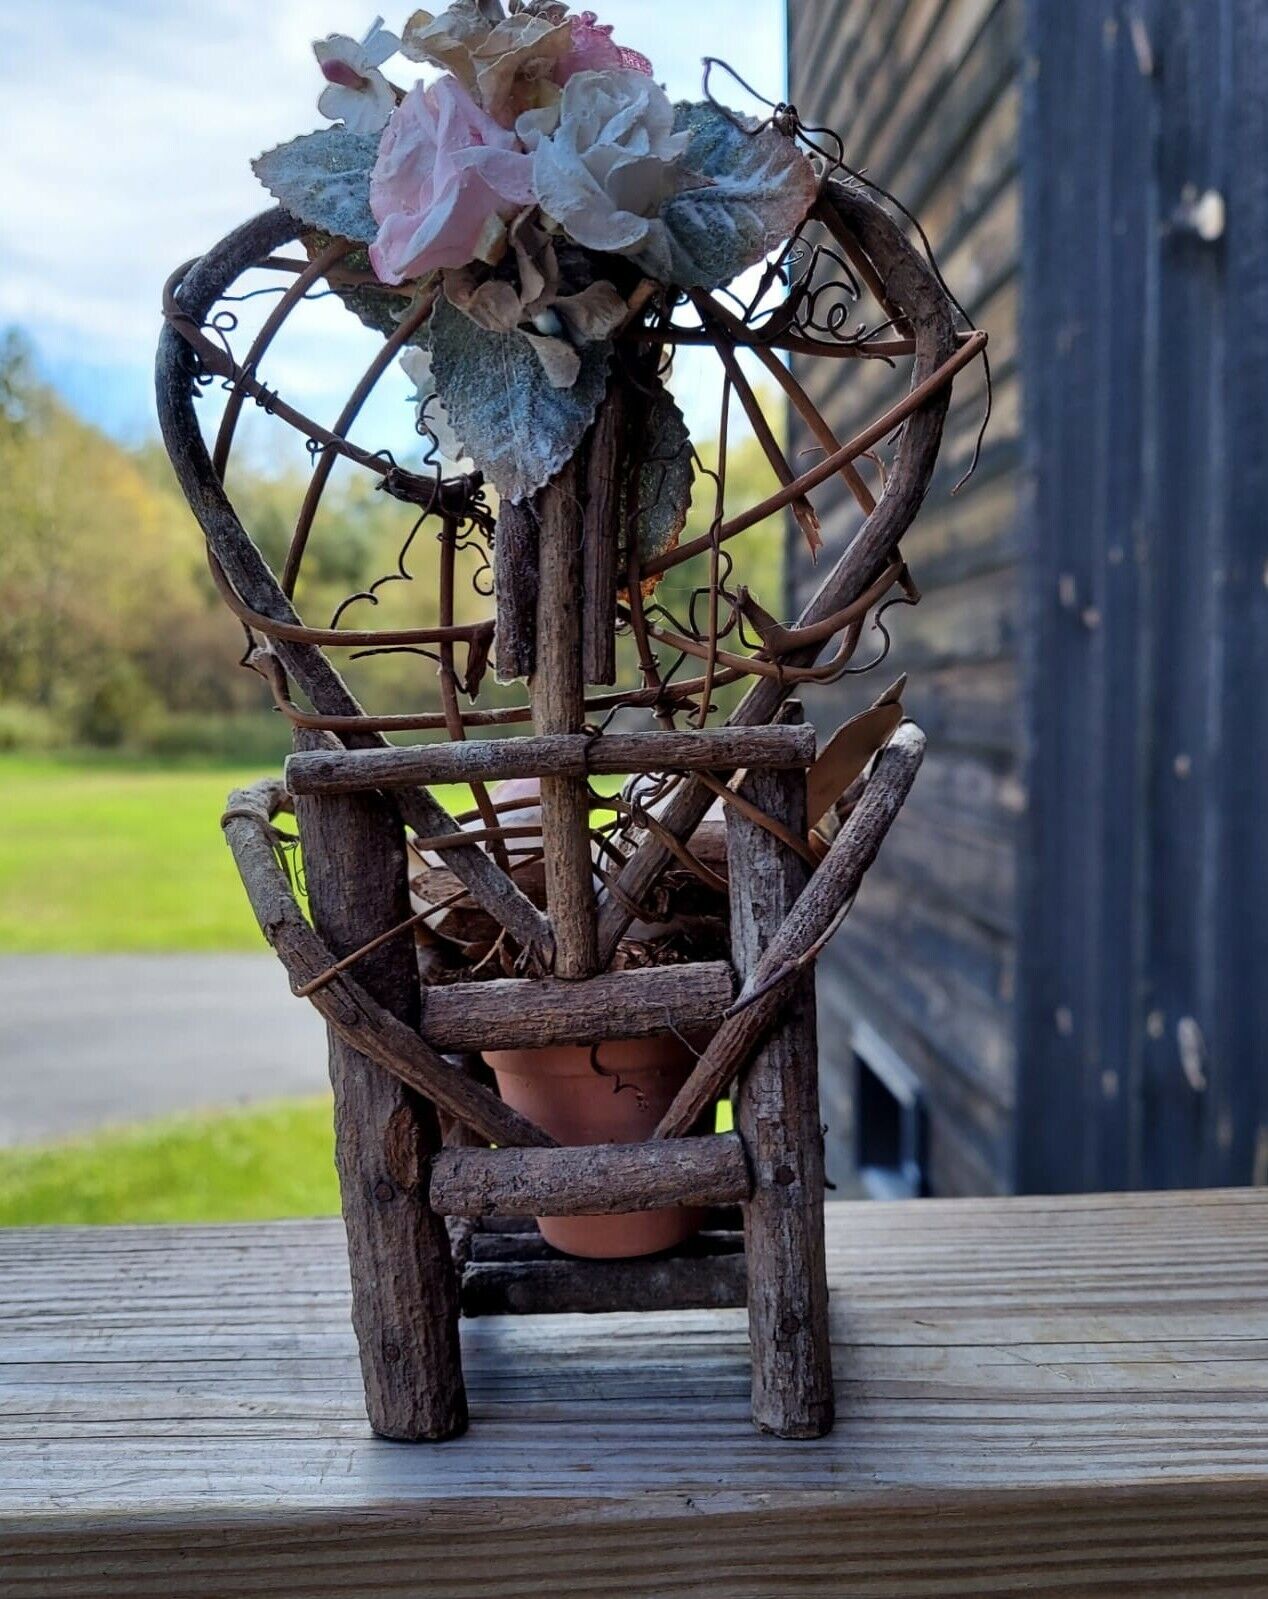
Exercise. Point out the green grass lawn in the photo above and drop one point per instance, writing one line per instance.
(259, 1164)
(249, 1165)
(97, 856)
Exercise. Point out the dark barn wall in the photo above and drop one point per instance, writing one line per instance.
(1067, 936)
(1143, 983)
(926, 94)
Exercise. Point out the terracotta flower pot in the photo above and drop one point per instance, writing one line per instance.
(621, 1103)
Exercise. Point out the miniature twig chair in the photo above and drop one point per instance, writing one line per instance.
(404, 1058)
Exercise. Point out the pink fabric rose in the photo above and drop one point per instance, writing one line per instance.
(593, 50)
(446, 178)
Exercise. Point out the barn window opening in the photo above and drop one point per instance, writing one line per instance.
(890, 1122)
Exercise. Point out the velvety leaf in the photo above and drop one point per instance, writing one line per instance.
(517, 428)
(759, 189)
(324, 179)
(662, 482)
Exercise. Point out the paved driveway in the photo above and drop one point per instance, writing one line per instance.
(90, 1039)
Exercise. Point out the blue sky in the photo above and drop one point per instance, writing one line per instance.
(129, 126)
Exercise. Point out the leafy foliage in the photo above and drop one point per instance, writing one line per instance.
(517, 427)
(323, 179)
(112, 633)
(759, 189)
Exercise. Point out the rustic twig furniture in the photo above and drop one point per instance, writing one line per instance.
(559, 596)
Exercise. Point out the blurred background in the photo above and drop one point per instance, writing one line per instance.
(1054, 979)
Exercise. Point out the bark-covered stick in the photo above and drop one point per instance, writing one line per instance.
(591, 1179)
(515, 589)
(404, 1287)
(335, 771)
(523, 1013)
(345, 1005)
(913, 289)
(803, 931)
(556, 1287)
(601, 532)
(558, 693)
(777, 1116)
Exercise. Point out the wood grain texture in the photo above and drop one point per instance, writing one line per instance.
(1047, 1396)
(404, 1287)
(777, 1115)
(591, 1179)
(932, 93)
(515, 1013)
(558, 693)
(601, 532)
(558, 755)
(515, 588)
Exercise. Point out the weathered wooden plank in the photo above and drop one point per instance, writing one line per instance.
(591, 1179)
(554, 755)
(970, 1032)
(970, 707)
(1031, 1389)
(404, 1289)
(515, 1013)
(964, 867)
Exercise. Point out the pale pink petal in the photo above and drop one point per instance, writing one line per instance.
(593, 50)
(446, 173)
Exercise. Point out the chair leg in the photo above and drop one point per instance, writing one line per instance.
(404, 1287)
(777, 1114)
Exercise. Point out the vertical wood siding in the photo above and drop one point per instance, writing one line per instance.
(1144, 907)
(927, 96)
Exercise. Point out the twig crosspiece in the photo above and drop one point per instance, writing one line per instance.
(562, 905)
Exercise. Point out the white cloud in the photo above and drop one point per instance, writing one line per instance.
(129, 126)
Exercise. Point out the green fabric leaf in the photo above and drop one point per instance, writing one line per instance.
(323, 179)
(515, 426)
(659, 495)
(759, 190)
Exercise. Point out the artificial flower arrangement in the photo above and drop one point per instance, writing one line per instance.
(542, 193)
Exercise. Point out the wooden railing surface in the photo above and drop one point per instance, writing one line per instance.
(1040, 1396)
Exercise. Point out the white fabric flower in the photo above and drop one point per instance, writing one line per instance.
(416, 364)
(356, 93)
(605, 158)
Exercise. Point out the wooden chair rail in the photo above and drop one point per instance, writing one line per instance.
(590, 1180)
(556, 755)
(533, 1013)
